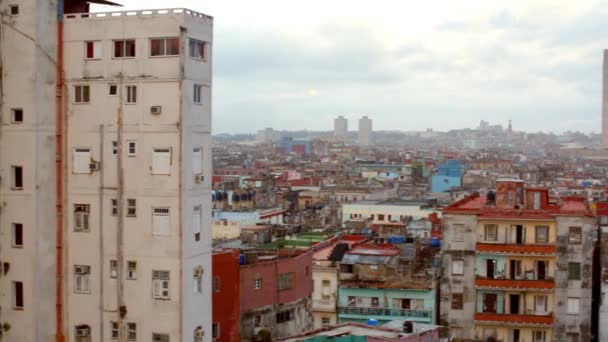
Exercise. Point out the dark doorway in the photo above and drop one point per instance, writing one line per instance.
(541, 270)
(489, 302)
(490, 268)
(519, 234)
(514, 304)
(514, 269)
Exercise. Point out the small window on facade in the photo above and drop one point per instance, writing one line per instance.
(160, 284)
(114, 207)
(131, 270)
(457, 301)
(196, 49)
(575, 236)
(197, 160)
(113, 268)
(160, 221)
(112, 89)
(14, 9)
(197, 93)
(124, 48)
(380, 217)
(573, 305)
(156, 337)
(131, 207)
(18, 301)
(539, 336)
(132, 148)
(458, 232)
(285, 316)
(131, 91)
(17, 235)
(161, 161)
(81, 160)
(258, 321)
(375, 302)
(114, 330)
(17, 115)
(491, 232)
(542, 234)
(81, 217)
(198, 334)
(574, 271)
(164, 47)
(82, 94)
(285, 281)
(216, 284)
(17, 177)
(257, 284)
(325, 322)
(197, 217)
(92, 50)
(114, 147)
(83, 333)
(457, 267)
(82, 280)
(131, 331)
(197, 274)
(215, 330)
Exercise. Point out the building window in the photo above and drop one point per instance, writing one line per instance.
(92, 50)
(258, 321)
(112, 89)
(18, 301)
(197, 93)
(161, 161)
(458, 267)
(216, 284)
(197, 160)
(352, 300)
(14, 9)
(131, 331)
(380, 217)
(539, 336)
(285, 316)
(81, 217)
(81, 94)
(160, 221)
(491, 232)
(573, 305)
(164, 47)
(114, 147)
(131, 270)
(325, 283)
(215, 330)
(457, 301)
(325, 322)
(17, 177)
(83, 333)
(17, 115)
(542, 234)
(257, 283)
(113, 268)
(196, 49)
(197, 222)
(17, 235)
(160, 284)
(197, 274)
(574, 271)
(81, 160)
(114, 330)
(458, 233)
(131, 94)
(131, 148)
(198, 334)
(156, 337)
(82, 280)
(575, 236)
(375, 302)
(124, 48)
(285, 281)
(114, 207)
(131, 207)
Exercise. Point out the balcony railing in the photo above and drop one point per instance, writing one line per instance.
(508, 248)
(520, 284)
(421, 315)
(514, 319)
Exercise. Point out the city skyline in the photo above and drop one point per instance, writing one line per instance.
(443, 66)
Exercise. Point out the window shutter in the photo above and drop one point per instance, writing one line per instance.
(160, 221)
(81, 160)
(161, 162)
(197, 161)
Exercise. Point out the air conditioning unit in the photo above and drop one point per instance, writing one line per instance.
(94, 166)
(199, 333)
(82, 332)
(198, 178)
(156, 110)
(198, 272)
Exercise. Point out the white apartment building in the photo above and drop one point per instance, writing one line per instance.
(365, 131)
(135, 175)
(340, 127)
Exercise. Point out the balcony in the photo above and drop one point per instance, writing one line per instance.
(423, 316)
(504, 248)
(518, 320)
(517, 284)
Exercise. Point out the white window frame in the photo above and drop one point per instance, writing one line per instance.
(131, 331)
(131, 94)
(161, 285)
(131, 270)
(113, 268)
(537, 338)
(14, 116)
(258, 283)
(82, 215)
(97, 52)
(197, 94)
(458, 267)
(197, 160)
(131, 148)
(487, 230)
(574, 304)
(113, 206)
(156, 225)
(197, 275)
(114, 328)
(81, 160)
(82, 280)
(159, 154)
(194, 53)
(197, 222)
(114, 147)
(164, 47)
(459, 232)
(124, 48)
(112, 86)
(79, 94)
(131, 207)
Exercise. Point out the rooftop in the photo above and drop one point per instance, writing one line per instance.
(123, 14)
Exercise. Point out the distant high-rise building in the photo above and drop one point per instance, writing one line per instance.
(365, 131)
(340, 127)
(605, 102)
(267, 135)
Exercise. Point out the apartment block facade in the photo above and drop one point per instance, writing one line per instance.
(517, 266)
(131, 257)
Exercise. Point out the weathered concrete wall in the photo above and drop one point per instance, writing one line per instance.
(301, 322)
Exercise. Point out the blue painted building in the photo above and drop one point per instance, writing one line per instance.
(447, 176)
(289, 145)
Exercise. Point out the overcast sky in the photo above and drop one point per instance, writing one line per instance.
(409, 65)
